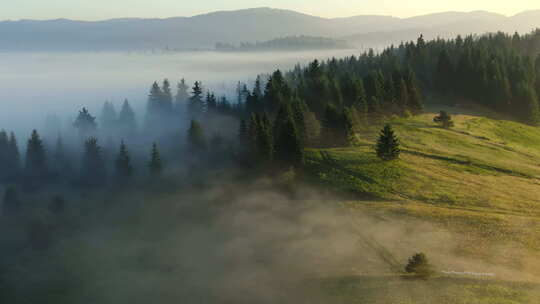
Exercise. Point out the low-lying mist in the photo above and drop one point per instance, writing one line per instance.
(220, 241)
(38, 84)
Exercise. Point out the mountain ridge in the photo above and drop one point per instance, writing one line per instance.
(247, 25)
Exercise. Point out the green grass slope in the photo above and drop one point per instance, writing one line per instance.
(480, 179)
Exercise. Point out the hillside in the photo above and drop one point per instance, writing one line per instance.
(203, 31)
(479, 181)
(481, 176)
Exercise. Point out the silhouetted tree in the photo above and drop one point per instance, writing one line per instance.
(124, 169)
(93, 169)
(127, 123)
(36, 169)
(85, 123)
(155, 165)
(196, 103)
(109, 118)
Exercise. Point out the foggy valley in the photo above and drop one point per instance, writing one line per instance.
(270, 156)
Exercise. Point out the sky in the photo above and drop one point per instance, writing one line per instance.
(107, 9)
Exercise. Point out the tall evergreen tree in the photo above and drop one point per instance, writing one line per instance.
(153, 106)
(93, 169)
(166, 104)
(36, 168)
(388, 144)
(155, 165)
(13, 167)
(109, 118)
(85, 123)
(196, 103)
(127, 123)
(124, 169)
(289, 148)
(182, 96)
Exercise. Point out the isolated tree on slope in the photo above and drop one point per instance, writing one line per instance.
(388, 145)
(444, 120)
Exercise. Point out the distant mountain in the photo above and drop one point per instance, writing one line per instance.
(234, 27)
(448, 25)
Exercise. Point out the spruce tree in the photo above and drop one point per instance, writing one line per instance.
(153, 106)
(124, 169)
(388, 144)
(196, 138)
(93, 170)
(166, 103)
(13, 167)
(196, 103)
(85, 123)
(36, 161)
(444, 120)
(182, 96)
(155, 165)
(126, 121)
(109, 118)
(289, 148)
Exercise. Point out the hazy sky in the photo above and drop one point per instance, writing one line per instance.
(105, 9)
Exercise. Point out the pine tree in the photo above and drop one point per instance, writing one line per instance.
(166, 103)
(444, 120)
(289, 148)
(11, 204)
(153, 107)
(388, 144)
(182, 96)
(196, 138)
(126, 121)
(13, 167)
(445, 73)
(124, 169)
(155, 166)
(196, 103)
(36, 160)
(85, 123)
(108, 118)
(93, 170)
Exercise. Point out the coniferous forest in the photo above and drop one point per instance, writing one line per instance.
(188, 134)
